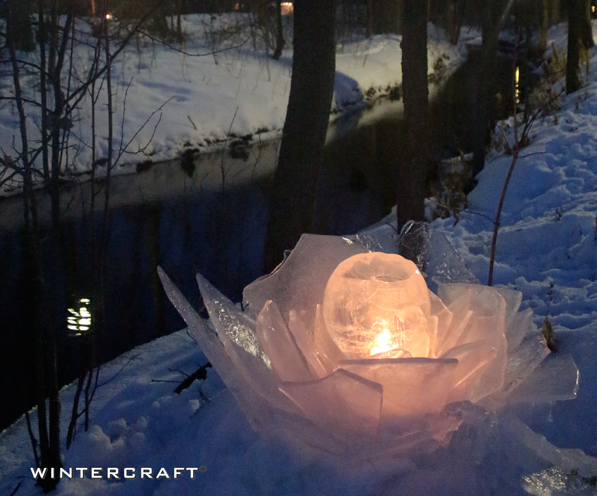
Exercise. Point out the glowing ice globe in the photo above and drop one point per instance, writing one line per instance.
(377, 305)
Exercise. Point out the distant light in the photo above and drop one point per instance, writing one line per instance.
(78, 322)
(287, 8)
(592, 8)
(517, 83)
(109, 17)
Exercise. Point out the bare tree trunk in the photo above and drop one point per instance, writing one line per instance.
(483, 109)
(279, 32)
(44, 344)
(573, 79)
(386, 16)
(292, 201)
(369, 27)
(555, 12)
(586, 31)
(544, 24)
(454, 20)
(179, 37)
(410, 194)
(20, 11)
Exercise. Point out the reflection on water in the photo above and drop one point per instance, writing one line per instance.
(211, 222)
(207, 218)
(78, 320)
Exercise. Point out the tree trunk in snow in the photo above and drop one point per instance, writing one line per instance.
(410, 195)
(483, 109)
(385, 16)
(544, 24)
(555, 12)
(573, 79)
(292, 201)
(179, 37)
(279, 32)
(586, 31)
(454, 15)
(20, 12)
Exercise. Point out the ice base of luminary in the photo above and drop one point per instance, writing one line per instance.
(249, 349)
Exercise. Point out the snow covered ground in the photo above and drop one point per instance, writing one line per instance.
(547, 248)
(221, 87)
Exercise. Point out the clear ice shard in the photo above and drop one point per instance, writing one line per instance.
(319, 349)
(531, 449)
(248, 396)
(299, 282)
(237, 332)
(287, 360)
(524, 360)
(556, 378)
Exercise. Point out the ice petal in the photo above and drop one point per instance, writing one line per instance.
(317, 347)
(249, 397)
(461, 314)
(555, 379)
(524, 360)
(411, 385)
(277, 342)
(471, 358)
(236, 331)
(517, 329)
(341, 401)
(444, 319)
(485, 323)
(513, 299)
(300, 281)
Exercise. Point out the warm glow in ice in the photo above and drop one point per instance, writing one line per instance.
(375, 303)
(383, 342)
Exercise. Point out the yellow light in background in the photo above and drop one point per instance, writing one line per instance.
(517, 83)
(287, 8)
(78, 322)
(109, 17)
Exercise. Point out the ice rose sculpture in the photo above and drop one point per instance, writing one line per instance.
(348, 351)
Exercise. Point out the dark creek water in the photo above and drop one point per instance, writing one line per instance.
(209, 219)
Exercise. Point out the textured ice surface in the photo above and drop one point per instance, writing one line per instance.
(556, 378)
(321, 352)
(555, 482)
(524, 360)
(300, 281)
(430, 250)
(287, 360)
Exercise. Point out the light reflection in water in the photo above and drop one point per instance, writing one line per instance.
(517, 84)
(78, 321)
